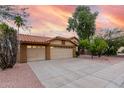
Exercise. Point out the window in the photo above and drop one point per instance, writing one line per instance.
(51, 47)
(43, 46)
(63, 42)
(28, 46)
(34, 46)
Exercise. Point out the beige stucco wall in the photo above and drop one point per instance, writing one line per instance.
(68, 43)
(23, 54)
(59, 42)
(56, 42)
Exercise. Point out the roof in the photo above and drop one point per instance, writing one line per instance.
(31, 38)
(39, 39)
(74, 38)
(63, 38)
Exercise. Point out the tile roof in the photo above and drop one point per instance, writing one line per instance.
(74, 38)
(31, 38)
(39, 39)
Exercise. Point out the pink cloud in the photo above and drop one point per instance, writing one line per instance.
(114, 14)
(53, 19)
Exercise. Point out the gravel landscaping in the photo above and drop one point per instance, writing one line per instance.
(21, 76)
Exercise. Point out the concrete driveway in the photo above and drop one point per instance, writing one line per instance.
(79, 73)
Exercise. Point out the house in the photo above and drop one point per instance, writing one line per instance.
(37, 48)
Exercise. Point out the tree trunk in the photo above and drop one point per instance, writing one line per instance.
(18, 49)
(92, 55)
(99, 55)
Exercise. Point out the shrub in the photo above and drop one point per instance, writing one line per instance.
(8, 46)
(101, 45)
(96, 45)
(115, 39)
(111, 51)
(84, 43)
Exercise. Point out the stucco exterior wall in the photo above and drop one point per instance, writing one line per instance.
(67, 43)
(59, 42)
(23, 54)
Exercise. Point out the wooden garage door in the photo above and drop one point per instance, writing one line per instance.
(61, 53)
(35, 53)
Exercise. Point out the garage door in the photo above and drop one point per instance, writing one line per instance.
(61, 53)
(35, 53)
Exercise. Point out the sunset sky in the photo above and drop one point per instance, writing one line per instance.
(52, 20)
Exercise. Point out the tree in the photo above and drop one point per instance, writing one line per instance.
(10, 15)
(82, 22)
(9, 12)
(19, 22)
(84, 43)
(101, 45)
(95, 45)
(8, 46)
(13, 14)
(115, 39)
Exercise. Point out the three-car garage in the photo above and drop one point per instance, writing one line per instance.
(37, 53)
(34, 48)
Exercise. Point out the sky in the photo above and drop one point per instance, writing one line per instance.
(52, 20)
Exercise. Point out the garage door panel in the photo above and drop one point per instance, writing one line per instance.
(35, 54)
(59, 53)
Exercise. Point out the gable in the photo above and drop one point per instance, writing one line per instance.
(62, 42)
(57, 42)
(74, 40)
(68, 43)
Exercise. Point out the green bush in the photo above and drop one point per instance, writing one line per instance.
(96, 45)
(111, 51)
(115, 39)
(84, 43)
(101, 45)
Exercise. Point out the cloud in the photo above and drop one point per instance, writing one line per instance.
(52, 14)
(114, 14)
(52, 20)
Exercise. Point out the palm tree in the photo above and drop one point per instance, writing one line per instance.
(19, 22)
